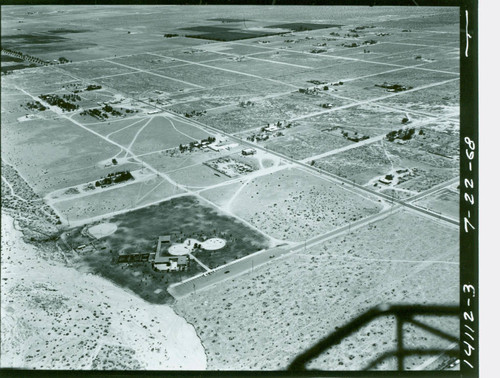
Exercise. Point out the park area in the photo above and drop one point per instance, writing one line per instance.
(138, 232)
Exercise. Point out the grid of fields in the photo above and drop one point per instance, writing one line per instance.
(268, 130)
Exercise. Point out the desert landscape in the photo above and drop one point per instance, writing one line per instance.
(220, 187)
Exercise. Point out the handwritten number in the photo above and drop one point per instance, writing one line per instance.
(469, 350)
(470, 143)
(469, 316)
(467, 34)
(468, 224)
(468, 289)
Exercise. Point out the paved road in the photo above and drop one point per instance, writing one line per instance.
(323, 173)
(248, 263)
(245, 264)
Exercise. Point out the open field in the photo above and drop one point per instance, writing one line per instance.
(331, 130)
(366, 119)
(100, 202)
(339, 70)
(142, 84)
(441, 100)
(445, 202)
(71, 149)
(305, 205)
(256, 64)
(10, 64)
(156, 134)
(202, 76)
(428, 167)
(247, 90)
(99, 68)
(173, 160)
(39, 80)
(304, 141)
(147, 61)
(231, 128)
(300, 299)
(269, 110)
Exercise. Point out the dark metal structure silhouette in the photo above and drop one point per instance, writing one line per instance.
(403, 314)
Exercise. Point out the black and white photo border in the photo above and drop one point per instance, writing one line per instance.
(234, 166)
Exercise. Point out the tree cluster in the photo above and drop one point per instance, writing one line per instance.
(400, 134)
(355, 137)
(71, 97)
(109, 109)
(55, 100)
(362, 28)
(244, 104)
(36, 105)
(96, 113)
(393, 87)
(93, 87)
(20, 55)
(194, 113)
(114, 178)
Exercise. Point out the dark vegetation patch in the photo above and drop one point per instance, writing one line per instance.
(353, 44)
(400, 134)
(138, 232)
(220, 33)
(229, 36)
(114, 178)
(12, 40)
(354, 137)
(357, 28)
(106, 111)
(7, 58)
(67, 31)
(93, 87)
(228, 20)
(394, 87)
(63, 103)
(303, 26)
(66, 45)
(35, 105)
(38, 43)
(15, 67)
(210, 29)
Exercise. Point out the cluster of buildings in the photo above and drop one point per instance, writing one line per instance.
(164, 261)
(161, 260)
(211, 143)
(267, 131)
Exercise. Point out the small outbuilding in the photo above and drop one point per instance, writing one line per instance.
(248, 151)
